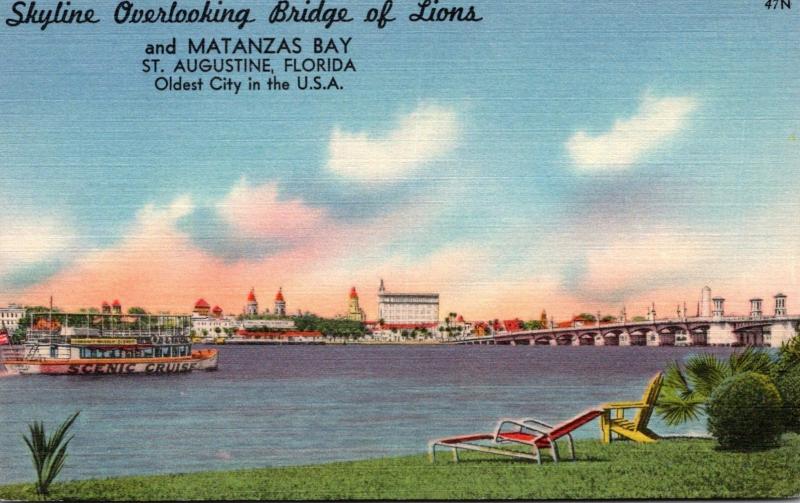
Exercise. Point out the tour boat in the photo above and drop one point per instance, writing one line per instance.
(80, 343)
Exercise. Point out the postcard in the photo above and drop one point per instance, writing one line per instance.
(399, 250)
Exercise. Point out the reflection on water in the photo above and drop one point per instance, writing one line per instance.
(282, 405)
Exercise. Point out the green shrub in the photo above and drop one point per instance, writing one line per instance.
(745, 412)
(788, 384)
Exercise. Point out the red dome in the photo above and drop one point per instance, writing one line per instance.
(279, 296)
(251, 297)
(217, 309)
(201, 303)
(460, 319)
(353, 293)
(116, 303)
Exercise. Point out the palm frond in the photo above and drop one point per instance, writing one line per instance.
(675, 381)
(705, 371)
(48, 454)
(751, 360)
(675, 410)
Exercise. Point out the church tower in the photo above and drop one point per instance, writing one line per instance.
(280, 303)
(354, 311)
(251, 308)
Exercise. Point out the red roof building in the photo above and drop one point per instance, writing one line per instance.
(201, 307)
(280, 303)
(286, 336)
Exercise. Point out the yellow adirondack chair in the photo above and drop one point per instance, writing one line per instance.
(634, 429)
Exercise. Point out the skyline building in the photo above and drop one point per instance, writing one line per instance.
(354, 311)
(280, 303)
(407, 308)
(251, 308)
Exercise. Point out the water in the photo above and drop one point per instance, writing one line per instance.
(292, 405)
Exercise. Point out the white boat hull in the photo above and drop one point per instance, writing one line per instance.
(202, 360)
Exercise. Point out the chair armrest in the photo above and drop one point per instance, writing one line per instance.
(536, 421)
(520, 424)
(623, 405)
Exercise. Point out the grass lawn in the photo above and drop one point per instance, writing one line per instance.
(674, 468)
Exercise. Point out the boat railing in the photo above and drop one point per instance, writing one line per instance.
(10, 353)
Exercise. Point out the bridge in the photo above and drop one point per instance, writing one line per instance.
(697, 331)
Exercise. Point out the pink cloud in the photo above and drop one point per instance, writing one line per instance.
(258, 212)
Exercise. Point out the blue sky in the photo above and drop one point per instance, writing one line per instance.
(558, 155)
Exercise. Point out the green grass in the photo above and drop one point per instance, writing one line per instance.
(675, 468)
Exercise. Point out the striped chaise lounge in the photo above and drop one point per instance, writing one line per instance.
(529, 432)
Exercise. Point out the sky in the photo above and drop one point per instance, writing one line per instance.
(572, 157)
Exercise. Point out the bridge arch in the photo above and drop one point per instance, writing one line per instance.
(565, 339)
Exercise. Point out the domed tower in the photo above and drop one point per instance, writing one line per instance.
(354, 311)
(280, 303)
(105, 308)
(201, 307)
(251, 308)
(116, 307)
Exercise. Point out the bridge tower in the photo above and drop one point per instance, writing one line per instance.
(755, 308)
(705, 302)
(780, 305)
(719, 307)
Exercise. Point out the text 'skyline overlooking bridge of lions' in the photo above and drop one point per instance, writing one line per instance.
(415, 318)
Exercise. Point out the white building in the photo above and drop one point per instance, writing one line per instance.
(211, 323)
(282, 324)
(10, 316)
(407, 308)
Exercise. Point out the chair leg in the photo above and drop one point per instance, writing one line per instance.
(432, 452)
(554, 450)
(455, 455)
(605, 427)
(535, 451)
(571, 446)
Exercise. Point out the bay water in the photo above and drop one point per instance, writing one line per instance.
(297, 405)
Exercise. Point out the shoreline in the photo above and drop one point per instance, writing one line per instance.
(614, 471)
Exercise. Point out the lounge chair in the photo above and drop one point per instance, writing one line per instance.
(529, 432)
(636, 428)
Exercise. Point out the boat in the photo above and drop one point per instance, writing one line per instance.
(82, 344)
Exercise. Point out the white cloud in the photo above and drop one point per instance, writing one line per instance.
(656, 121)
(427, 133)
(27, 240)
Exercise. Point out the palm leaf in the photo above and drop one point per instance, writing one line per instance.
(676, 410)
(48, 454)
(751, 360)
(675, 381)
(705, 371)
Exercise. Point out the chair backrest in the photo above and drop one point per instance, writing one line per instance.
(574, 423)
(649, 398)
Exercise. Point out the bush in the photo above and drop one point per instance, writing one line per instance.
(745, 413)
(788, 384)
